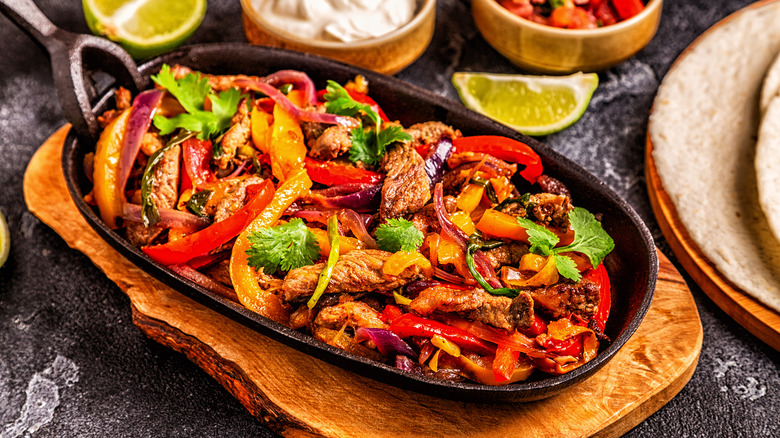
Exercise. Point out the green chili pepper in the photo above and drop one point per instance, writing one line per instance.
(198, 202)
(149, 213)
(333, 257)
(490, 192)
(474, 244)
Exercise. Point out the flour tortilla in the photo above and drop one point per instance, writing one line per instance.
(771, 87)
(703, 128)
(768, 161)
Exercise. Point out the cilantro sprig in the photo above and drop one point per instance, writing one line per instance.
(369, 144)
(191, 91)
(398, 235)
(590, 239)
(283, 247)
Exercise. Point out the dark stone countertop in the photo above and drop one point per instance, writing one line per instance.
(72, 363)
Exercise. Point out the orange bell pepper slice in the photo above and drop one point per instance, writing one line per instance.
(401, 260)
(286, 148)
(243, 276)
(107, 190)
(260, 122)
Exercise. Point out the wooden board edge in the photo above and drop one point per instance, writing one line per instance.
(226, 372)
(748, 312)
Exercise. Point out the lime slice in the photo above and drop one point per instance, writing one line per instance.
(533, 105)
(145, 28)
(5, 240)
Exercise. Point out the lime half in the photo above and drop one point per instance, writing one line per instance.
(145, 28)
(533, 105)
(5, 240)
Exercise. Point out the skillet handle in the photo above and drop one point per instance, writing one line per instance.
(74, 57)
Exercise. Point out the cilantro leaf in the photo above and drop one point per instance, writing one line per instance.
(191, 91)
(541, 239)
(283, 247)
(390, 135)
(368, 144)
(567, 267)
(339, 102)
(398, 235)
(589, 237)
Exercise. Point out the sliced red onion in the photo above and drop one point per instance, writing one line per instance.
(387, 342)
(298, 113)
(296, 78)
(413, 288)
(144, 106)
(403, 363)
(450, 230)
(169, 218)
(205, 281)
(239, 169)
(355, 223)
(364, 200)
(452, 278)
(437, 157)
(455, 234)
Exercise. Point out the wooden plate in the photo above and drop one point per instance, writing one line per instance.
(756, 317)
(297, 395)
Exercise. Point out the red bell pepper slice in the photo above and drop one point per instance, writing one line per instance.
(333, 174)
(390, 313)
(200, 243)
(627, 8)
(504, 363)
(412, 325)
(197, 156)
(505, 149)
(538, 327)
(600, 277)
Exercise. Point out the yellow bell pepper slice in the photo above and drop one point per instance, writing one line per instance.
(401, 260)
(260, 123)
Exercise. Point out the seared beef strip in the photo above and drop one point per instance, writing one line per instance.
(234, 198)
(564, 299)
(333, 142)
(551, 185)
(506, 255)
(236, 136)
(426, 221)
(151, 143)
(430, 133)
(352, 313)
(355, 271)
(164, 194)
(498, 311)
(407, 187)
(552, 210)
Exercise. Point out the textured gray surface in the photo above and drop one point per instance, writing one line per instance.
(72, 363)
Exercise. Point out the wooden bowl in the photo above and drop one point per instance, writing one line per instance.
(546, 49)
(388, 54)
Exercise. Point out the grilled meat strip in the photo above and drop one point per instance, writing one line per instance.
(355, 271)
(564, 299)
(479, 305)
(430, 133)
(407, 187)
(165, 193)
(236, 136)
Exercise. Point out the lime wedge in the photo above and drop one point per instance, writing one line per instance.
(145, 28)
(533, 105)
(5, 240)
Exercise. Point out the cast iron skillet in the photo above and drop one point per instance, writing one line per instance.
(632, 266)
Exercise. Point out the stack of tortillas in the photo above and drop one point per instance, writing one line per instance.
(703, 130)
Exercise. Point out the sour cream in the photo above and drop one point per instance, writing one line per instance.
(336, 20)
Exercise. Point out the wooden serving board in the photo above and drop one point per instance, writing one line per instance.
(297, 395)
(757, 318)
